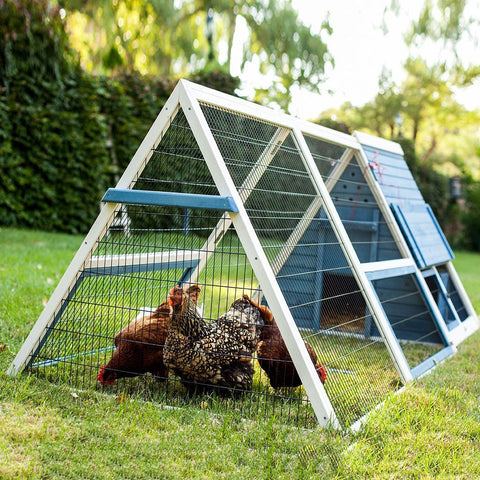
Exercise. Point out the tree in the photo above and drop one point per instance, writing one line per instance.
(425, 100)
(445, 29)
(167, 37)
(287, 50)
(115, 36)
(33, 43)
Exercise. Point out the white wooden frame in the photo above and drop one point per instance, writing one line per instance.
(171, 256)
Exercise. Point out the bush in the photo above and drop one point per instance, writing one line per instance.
(130, 104)
(471, 216)
(66, 136)
(53, 154)
(434, 186)
(34, 48)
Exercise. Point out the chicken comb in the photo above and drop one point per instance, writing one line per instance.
(322, 372)
(101, 377)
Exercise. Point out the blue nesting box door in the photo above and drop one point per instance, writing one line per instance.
(423, 234)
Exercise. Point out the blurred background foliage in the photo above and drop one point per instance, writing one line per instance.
(82, 81)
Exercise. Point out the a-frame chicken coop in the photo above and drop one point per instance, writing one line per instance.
(239, 199)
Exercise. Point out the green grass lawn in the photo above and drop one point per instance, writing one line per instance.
(49, 431)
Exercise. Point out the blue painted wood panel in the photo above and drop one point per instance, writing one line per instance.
(415, 217)
(302, 275)
(185, 200)
(145, 267)
(407, 310)
(394, 176)
(423, 234)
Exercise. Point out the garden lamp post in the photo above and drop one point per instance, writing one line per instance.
(399, 123)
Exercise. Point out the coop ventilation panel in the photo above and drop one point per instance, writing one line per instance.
(241, 200)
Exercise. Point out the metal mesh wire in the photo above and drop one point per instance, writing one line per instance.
(365, 224)
(151, 249)
(440, 296)
(177, 164)
(114, 289)
(309, 263)
(452, 292)
(325, 155)
(410, 317)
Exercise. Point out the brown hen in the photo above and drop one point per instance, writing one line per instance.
(274, 358)
(139, 348)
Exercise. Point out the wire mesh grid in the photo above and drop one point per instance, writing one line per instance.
(308, 261)
(441, 298)
(452, 292)
(111, 332)
(327, 156)
(410, 317)
(362, 217)
(113, 329)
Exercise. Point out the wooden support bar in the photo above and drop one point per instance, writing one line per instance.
(174, 199)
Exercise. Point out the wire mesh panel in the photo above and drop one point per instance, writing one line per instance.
(361, 215)
(111, 330)
(176, 163)
(410, 317)
(442, 298)
(327, 156)
(308, 261)
(452, 292)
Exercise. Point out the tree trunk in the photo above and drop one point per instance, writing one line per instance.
(416, 126)
(232, 19)
(431, 148)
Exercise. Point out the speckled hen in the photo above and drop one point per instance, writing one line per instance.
(213, 354)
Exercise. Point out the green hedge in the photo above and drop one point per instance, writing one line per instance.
(53, 156)
(61, 152)
(65, 136)
(53, 164)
